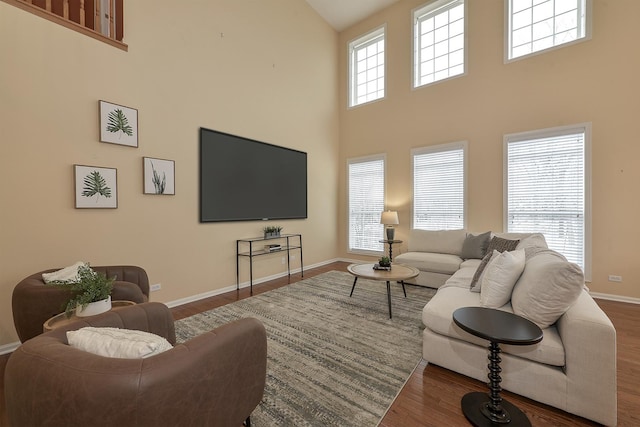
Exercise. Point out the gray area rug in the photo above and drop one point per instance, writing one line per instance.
(332, 360)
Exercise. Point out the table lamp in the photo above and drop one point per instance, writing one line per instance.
(389, 218)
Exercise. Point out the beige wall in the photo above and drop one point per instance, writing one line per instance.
(262, 69)
(595, 81)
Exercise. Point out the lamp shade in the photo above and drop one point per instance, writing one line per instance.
(389, 218)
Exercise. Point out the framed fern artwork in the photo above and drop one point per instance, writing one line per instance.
(159, 176)
(118, 124)
(96, 187)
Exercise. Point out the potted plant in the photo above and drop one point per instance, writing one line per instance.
(272, 231)
(90, 292)
(384, 261)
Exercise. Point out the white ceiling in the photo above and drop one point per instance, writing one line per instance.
(341, 14)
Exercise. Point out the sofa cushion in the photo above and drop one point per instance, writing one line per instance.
(475, 246)
(476, 280)
(433, 262)
(442, 241)
(500, 276)
(437, 316)
(549, 285)
(119, 343)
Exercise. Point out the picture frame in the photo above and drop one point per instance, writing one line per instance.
(95, 187)
(159, 176)
(118, 124)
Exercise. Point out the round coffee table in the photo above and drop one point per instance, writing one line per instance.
(61, 319)
(398, 273)
(498, 327)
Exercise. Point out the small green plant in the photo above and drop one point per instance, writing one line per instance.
(384, 261)
(89, 287)
(272, 231)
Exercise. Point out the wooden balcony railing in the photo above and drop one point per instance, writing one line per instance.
(100, 19)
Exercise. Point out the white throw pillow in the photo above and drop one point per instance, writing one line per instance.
(547, 288)
(67, 274)
(115, 342)
(500, 276)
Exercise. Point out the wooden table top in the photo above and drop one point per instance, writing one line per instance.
(398, 272)
(61, 319)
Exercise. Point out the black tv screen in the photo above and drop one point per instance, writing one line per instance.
(243, 180)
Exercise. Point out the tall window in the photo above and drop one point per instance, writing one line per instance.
(547, 188)
(366, 203)
(535, 25)
(439, 41)
(366, 68)
(439, 187)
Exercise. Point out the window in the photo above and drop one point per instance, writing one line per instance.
(366, 68)
(547, 188)
(439, 187)
(366, 203)
(99, 19)
(536, 25)
(439, 42)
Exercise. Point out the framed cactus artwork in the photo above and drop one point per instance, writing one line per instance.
(96, 187)
(159, 176)
(118, 124)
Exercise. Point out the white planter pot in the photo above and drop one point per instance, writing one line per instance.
(94, 308)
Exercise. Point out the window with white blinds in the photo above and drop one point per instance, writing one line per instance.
(366, 203)
(439, 41)
(366, 68)
(535, 25)
(546, 188)
(439, 187)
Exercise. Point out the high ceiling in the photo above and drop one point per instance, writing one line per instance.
(341, 14)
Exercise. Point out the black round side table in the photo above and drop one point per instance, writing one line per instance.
(498, 327)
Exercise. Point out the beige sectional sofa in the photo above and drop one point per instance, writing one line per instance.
(574, 366)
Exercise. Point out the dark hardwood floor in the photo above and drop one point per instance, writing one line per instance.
(432, 394)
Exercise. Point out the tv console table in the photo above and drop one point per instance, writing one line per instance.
(247, 248)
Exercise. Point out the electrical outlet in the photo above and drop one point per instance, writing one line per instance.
(613, 278)
(156, 287)
(293, 257)
(282, 260)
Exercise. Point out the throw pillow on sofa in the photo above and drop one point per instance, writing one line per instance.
(501, 274)
(502, 245)
(475, 247)
(115, 342)
(547, 288)
(495, 244)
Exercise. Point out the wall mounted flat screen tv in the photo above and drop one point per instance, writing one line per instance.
(242, 179)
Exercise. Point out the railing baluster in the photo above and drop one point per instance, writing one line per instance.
(82, 12)
(65, 9)
(112, 23)
(97, 21)
(48, 5)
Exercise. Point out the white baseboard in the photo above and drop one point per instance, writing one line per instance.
(230, 288)
(612, 297)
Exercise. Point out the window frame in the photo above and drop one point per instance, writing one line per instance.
(548, 133)
(459, 145)
(428, 8)
(365, 159)
(367, 39)
(588, 11)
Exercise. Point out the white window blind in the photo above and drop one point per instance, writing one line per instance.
(546, 189)
(439, 41)
(366, 68)
(439, 187)
(535, 25)
(366, 203)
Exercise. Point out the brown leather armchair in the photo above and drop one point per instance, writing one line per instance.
(33, 302)
(214, 379)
